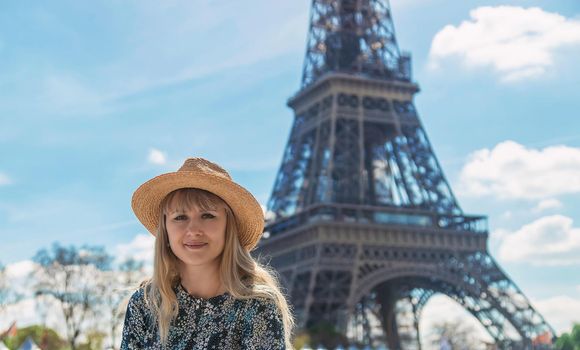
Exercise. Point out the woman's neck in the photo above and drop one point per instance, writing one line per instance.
(201, 281)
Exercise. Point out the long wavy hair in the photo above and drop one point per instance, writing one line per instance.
(242, 275)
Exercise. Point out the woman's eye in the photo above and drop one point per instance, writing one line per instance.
(180, 217)
(207, 216)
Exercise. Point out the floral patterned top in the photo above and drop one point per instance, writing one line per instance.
(221, 322)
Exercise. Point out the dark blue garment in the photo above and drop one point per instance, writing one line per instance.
(221, 322)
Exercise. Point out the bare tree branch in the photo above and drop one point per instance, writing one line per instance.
(67, 274)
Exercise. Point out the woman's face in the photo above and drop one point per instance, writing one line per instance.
(196, 236)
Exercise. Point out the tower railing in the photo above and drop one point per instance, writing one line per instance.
(380, 216)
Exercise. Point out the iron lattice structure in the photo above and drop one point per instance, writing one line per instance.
(366, 228)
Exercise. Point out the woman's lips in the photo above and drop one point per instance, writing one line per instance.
(195, 246)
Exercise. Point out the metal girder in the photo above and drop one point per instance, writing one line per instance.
(353, 36)
(366, 227)
(339, 282)
(344, 158)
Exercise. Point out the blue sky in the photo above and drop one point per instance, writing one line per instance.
(96, 98)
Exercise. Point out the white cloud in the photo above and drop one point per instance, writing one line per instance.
(25, 311)
(4, 180)
(551, 240)
(20, 269)
(547, 204)
(28, 312)
(516, 42)
(513, 171)
(561, 312)
(141, 248)
(268, 214)
(18, 278)
(157, 157)
(497, 236)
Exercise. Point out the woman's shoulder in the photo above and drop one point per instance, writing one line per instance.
(258, 306)
(138, 296)
(263, 321)
(137, 299)
(263, 302)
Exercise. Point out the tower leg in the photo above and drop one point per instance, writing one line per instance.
(416, 312)
(387, 299)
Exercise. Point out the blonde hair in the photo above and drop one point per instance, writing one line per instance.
(242, 276)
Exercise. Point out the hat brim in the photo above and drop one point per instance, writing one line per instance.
(249, 216)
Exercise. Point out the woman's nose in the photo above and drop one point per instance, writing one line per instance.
(194, 226)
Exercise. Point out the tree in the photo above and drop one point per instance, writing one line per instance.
(95, 341)
(301, 340)
(119, 283)
(3, 288)
(569, 341)
(455, 335)
(46, 338)
(565, 342)
(7, 294)
(67, 274)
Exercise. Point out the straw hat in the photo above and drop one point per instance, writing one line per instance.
(203, 174)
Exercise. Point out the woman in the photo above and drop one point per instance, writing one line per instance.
(207, 291)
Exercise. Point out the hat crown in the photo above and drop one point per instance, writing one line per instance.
(204, 166)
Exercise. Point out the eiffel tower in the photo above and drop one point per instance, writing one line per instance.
(365, 226)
